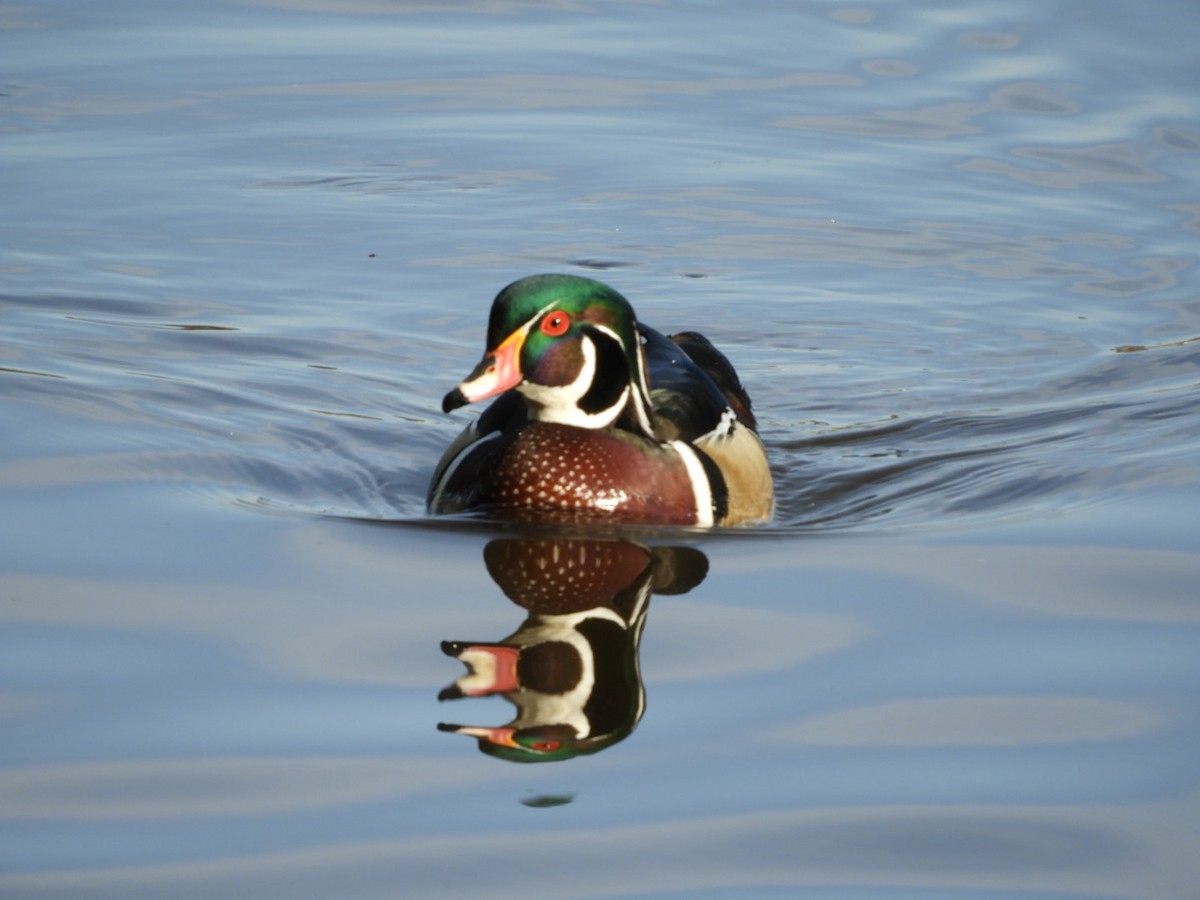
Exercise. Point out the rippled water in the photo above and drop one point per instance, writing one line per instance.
(246, 248)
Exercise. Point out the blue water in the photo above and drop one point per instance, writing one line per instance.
(246, 247)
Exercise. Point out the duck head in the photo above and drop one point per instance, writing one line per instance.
(570, 346)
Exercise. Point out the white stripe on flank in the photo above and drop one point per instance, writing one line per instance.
(701, 489)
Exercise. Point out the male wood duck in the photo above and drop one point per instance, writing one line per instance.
(599, 416)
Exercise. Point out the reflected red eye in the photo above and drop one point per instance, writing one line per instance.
(556, 324)
(546, 746)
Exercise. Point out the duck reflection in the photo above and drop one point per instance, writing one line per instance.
(571, 668)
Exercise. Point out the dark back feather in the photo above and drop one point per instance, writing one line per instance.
(687, 400)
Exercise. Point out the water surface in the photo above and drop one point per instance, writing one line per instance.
(246, 247)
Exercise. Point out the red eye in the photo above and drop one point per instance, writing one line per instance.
(556, 324)
(546, 746)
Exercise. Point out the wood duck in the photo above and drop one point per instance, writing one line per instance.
(600, 416)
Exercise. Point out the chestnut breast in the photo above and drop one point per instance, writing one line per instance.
(550, 466)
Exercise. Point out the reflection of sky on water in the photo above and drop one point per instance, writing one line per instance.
(975, 721)
(171, 789)
(1035, 848)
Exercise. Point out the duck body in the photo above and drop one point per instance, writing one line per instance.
(599, 416)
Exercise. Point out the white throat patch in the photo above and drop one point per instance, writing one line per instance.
(560, 403)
